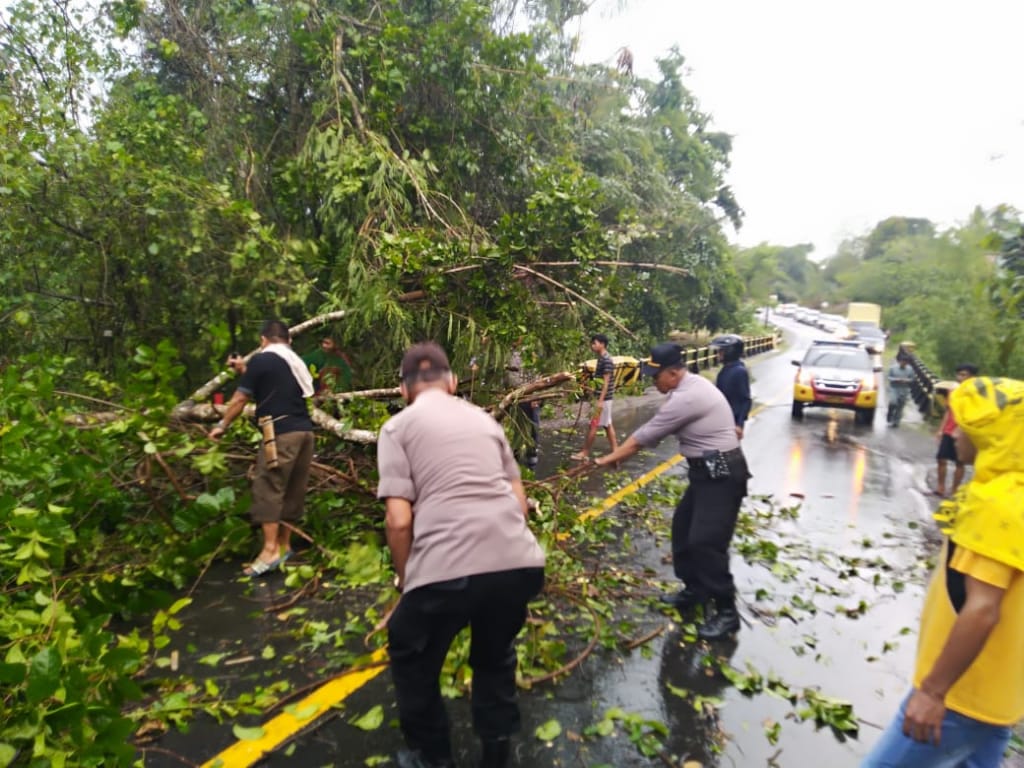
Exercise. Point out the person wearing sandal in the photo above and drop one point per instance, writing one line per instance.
(281, 385)
(456, 526)
(601, 416)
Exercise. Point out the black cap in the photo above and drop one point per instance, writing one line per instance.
(663, 356)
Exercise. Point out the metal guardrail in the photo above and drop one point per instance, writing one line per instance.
(627, 369)
(926, 390)
(703, 358)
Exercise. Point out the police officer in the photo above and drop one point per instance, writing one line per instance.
(733, 380)
(697, 414)
(456, 527)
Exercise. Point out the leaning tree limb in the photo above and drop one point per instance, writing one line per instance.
(629, 264)
(577, 296)
(500, 410)
(387, 393)
(206, 391)
(330, 424)
(210, 412)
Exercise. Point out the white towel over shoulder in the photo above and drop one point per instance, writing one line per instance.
(299, 369)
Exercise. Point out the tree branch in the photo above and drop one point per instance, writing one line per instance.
(206, 391)
(500, 410)
(578, 296)
(630, 264)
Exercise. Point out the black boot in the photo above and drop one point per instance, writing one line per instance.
(684, 601)
(725, 622)
(496, 753)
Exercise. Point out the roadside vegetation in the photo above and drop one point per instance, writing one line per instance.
(957, 294)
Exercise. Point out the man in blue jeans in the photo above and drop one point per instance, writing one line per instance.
(969, 677)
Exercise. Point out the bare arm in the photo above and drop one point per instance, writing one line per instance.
(624, 451)
(970, 632)
(235, 406)
(606, 382)
(398, 526)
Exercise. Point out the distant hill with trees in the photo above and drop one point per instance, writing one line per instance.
(956, 292)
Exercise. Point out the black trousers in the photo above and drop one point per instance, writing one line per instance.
(421, 631)
(702, 529)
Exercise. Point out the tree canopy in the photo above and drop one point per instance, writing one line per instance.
(186, 168)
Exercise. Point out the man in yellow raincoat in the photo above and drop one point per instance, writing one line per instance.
(969, 678)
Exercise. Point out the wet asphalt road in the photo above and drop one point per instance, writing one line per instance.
(850, 599)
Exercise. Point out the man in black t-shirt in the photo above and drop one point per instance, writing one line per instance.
(280, 384)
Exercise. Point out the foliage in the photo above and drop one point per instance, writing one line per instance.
(644, 733)
(87, 534)
(944, 290)
(244, 160)
(787, 272)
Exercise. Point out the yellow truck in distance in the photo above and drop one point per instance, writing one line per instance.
(864, 323)
(863, 312)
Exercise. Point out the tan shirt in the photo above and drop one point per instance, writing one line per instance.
(699, 416)
(452, 461)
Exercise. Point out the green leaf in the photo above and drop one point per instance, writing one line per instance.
(7, 753)
(123, 660)
(370, 721)
(548, 731)
(268, 652)
(43, 675)
(12, 674)
(605, 728)
(243, 733)
(682, 693)
(302, 713)
(179, 604)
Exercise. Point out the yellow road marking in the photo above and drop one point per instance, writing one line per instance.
(280, 729)
(245, 753)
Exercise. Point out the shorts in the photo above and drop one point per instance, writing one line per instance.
(605, 419)
(280, 493)
(947, 449)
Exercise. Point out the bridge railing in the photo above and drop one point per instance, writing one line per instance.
(927, 391)
(627, 369)
(702, 358)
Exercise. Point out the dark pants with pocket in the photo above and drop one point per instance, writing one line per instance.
(280, 493)
(420, 632)
(702, 529)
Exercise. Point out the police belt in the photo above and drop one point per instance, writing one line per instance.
(734, 458)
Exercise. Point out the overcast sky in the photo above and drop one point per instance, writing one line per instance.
(843, 113)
